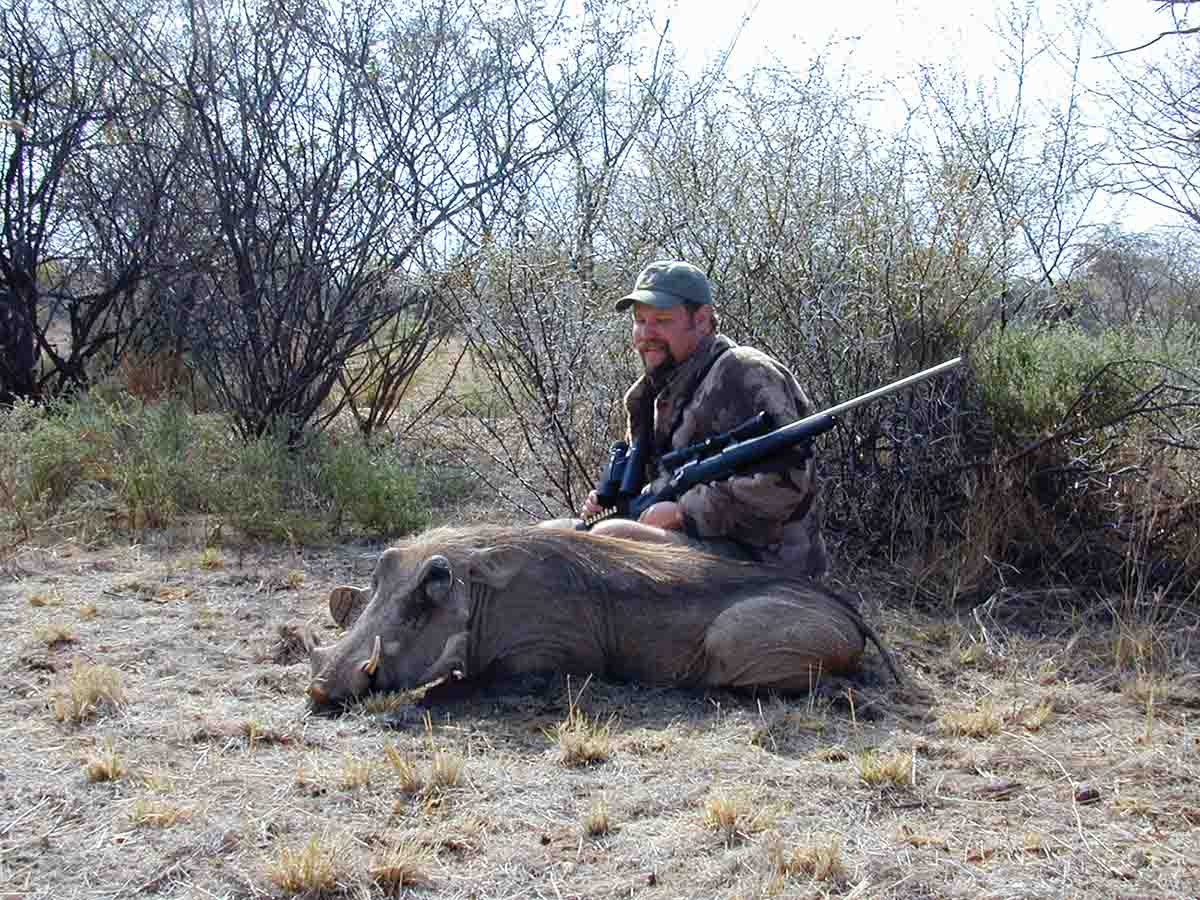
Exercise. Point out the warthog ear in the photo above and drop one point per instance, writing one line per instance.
(436, 578)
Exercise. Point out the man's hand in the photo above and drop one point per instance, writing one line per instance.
(663, 515)
(591, 506)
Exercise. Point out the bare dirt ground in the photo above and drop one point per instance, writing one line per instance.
(1029, 755)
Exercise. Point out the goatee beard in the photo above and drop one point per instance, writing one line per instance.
(663, 369)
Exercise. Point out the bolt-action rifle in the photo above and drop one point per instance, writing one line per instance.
(620, 490)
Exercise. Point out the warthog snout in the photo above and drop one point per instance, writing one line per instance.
(338, 676)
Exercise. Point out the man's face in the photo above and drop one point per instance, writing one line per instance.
(666, 337)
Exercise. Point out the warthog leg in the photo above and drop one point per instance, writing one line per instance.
(781, 643)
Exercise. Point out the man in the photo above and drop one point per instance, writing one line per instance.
(699, 383)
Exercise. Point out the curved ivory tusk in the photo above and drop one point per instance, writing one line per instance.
(373, 663)
(315, 653)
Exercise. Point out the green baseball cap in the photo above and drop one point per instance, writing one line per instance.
(665, 283)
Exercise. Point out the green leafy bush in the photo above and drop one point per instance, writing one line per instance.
(1037, 380)
(374, 491)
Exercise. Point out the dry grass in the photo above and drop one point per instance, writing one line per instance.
(320, 864)
(582, 740)
(88, 690)
(979, 721)
(816, 859)
(153, 812)
(54, 634)
(104, 765)
(596, 823)
(736, 813)
(885, 769)
(220, 783)
(403, 864)
(355, 772)
(406, 769)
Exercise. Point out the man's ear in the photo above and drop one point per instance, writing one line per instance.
(704, 318)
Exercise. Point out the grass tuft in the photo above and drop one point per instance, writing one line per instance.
(401, 865)
(984, 720)
(736, 814)
(446, 769)
(319, 865)
(156, 813)
(104, 765)
(885, 769)
(54, 634)
(355, 772)
(406, 770)
(819, 860)
(597, 822)
(88, 690)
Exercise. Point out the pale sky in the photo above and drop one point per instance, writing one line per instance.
(886, 36)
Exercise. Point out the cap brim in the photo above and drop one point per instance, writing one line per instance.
(657, 299)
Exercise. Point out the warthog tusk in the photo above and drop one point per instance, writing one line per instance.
(315, 653)
(373, 663)
(310, 638)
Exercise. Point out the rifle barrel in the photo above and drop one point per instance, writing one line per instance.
(751, 451)
(892, 388)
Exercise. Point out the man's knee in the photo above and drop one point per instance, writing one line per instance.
(635, 531)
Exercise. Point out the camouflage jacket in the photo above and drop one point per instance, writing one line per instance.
(776, 514)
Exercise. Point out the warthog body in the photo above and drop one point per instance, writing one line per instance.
(495, 601)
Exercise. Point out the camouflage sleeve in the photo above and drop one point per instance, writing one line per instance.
(753, 508)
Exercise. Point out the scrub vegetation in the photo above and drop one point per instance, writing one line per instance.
(281, 283)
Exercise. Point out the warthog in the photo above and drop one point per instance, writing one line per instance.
(499, 601)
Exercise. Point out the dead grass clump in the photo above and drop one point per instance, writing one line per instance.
(88, 690)
(387, 703)
(356, 772)
(1032, 718)
(736, 814)
(255, 733)
(156, 813)
(105, 765)
(321, 864)
(597, 822)
(885, 769)
(446, 769)
(406, 769)
(984, 720)
(583, 741)
(786, 727)
(210, 558)
(401, 865)
(905, 834)
(54, 634)
(819, 860)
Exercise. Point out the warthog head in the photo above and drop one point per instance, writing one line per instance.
(414, 610)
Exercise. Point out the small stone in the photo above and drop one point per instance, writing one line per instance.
(1086, 794)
